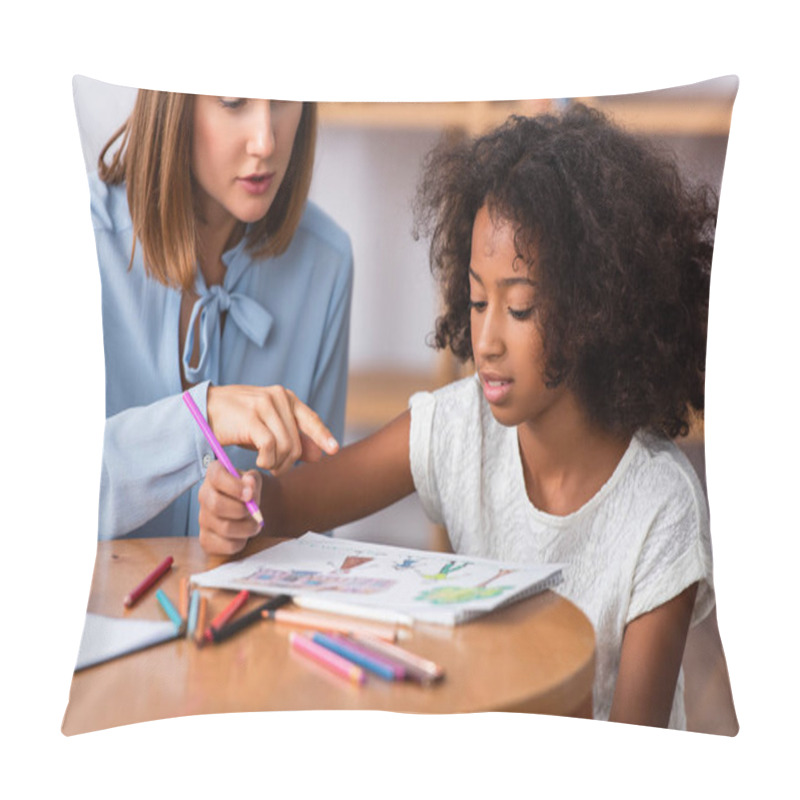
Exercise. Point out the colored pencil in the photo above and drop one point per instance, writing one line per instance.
(226, 613)
(226, 631)
(183, 597)
(169, 609)
(328, 622)
(353, 610)
(252, 506)
(417, 668)
(326, 658)
(199, 631)
(390, 671)
(160, 570)
(193, 609)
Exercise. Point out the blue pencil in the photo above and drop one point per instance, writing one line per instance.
(169, 609)
(373, 663)
(193, 605)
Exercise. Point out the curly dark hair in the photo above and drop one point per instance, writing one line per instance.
(620, 246)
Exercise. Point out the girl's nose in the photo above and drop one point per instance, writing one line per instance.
(488, 343)
(261, 137)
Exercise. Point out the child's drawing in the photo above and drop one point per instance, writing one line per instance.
(317, 581)
(449, 595)
(446, 570)
(353, 561)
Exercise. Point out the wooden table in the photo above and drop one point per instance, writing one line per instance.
(534, 656)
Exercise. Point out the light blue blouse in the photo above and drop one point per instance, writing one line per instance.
(287, 323)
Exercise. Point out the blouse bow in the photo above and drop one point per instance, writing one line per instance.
(249, 316)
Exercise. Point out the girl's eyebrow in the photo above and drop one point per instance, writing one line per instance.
(515, 281)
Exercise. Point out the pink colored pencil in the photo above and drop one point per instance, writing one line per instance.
(160, 570)
(221, 455)
(327, 658)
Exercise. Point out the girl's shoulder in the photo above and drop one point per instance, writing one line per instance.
(454, 401)
(662, 470)
(458, 413)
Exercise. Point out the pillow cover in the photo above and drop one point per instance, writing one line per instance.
(368, 162)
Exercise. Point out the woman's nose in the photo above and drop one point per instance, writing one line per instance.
(261, 137)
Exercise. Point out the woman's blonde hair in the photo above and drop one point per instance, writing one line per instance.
(154, 161)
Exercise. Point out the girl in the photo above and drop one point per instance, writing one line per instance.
(575, 269)
(208, 253)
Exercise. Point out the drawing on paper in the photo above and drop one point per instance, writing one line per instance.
(317, 581)
(451, 595)
(447, 570)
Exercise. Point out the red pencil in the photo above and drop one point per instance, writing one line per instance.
(227, 613)
(160, 570)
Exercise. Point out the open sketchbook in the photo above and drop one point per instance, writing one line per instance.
(421, 585)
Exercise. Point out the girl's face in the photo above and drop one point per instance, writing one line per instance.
(506, 339)
(240, 152)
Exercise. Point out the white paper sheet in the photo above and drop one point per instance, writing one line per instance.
(105, 638)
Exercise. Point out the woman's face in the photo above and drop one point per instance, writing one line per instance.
(240, 153)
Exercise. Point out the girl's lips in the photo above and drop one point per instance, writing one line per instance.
(495, 389)
(256, 184)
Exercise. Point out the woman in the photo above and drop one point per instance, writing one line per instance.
(220, 278)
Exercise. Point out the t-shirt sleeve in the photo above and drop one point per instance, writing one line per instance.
(675, 554)
(423, 407)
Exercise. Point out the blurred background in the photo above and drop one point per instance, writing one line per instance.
(368, 163)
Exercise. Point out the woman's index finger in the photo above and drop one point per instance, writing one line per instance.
(310, 424)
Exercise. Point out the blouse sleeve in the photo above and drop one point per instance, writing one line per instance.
(151, 455)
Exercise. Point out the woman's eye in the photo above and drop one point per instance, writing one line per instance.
(521, 313)
(231, 102)
(477, 305)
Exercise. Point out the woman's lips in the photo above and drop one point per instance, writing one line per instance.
(495, 388)
(256, 184)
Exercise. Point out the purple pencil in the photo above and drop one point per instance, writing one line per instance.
(221, 455)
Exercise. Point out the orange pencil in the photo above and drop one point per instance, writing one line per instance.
(227, 613)
(183, 598)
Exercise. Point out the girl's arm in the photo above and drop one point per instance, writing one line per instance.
(359, 480)
(652, 651)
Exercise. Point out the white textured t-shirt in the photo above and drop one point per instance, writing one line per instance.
(639, 542)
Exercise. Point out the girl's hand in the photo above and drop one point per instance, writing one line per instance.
(225, 523)
(270, 420)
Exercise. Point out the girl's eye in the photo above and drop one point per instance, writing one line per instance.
(477, 305)
(231, 102)
(521, 314)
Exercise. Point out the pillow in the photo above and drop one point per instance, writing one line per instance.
(369, 160)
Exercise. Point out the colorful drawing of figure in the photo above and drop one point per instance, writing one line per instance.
(450, 595)
(447, 570)
(407, 563)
